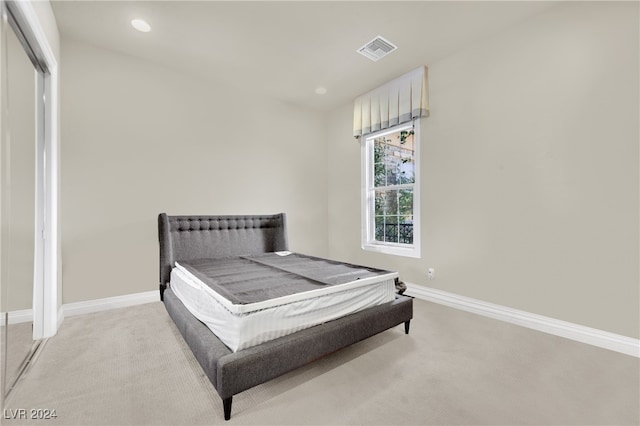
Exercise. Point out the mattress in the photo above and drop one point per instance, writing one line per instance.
(248, 300)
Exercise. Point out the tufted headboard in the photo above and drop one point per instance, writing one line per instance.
(199, 237)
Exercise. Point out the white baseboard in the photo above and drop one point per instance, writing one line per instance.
(97, 305)
(580, 333)
(16, 317)
(87, 307)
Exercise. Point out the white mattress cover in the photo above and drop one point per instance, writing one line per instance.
(250, 307)
(243, 326)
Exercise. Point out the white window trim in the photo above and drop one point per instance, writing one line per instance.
(368, 239)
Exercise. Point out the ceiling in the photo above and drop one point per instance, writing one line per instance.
(286, 50)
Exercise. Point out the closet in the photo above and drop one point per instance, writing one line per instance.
(21, 167)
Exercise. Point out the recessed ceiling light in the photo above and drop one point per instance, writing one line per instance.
(141, 25)
(321, 90)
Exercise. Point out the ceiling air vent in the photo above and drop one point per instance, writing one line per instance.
(377, 48)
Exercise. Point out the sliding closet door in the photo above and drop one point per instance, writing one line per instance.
(18, 218)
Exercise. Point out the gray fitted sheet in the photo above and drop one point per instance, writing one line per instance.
(250, 279)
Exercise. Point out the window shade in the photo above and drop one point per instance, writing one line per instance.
(399, 101)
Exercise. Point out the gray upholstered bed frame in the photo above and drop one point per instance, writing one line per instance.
(197, 237)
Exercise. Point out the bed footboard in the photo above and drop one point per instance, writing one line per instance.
(231, 373)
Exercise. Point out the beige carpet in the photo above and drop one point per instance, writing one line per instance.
(131, 366)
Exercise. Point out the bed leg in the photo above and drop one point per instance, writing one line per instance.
(406, 326)
(226, 402)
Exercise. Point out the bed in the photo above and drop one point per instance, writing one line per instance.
(233, 367)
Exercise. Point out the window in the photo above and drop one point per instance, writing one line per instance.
(390, 195)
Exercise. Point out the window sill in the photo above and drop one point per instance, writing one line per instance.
(393, 249)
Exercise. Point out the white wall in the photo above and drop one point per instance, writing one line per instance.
(530, 179)
(139, 140)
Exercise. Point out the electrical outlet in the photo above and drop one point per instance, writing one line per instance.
(431, 272)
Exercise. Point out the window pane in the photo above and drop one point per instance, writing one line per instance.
(388, 202)
(407, 171)
(391, 230)
(406, 230)
(380, 203)
(394, 216)
(405, 202)
(406, 157)
(393, 157)
(378, 150)
(379, 231)
(393, 171)
(379, 174)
